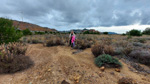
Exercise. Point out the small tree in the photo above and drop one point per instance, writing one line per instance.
(27, 32)
(146, 31)
(123, 34)
(134, 32)
(105, 33)
(86, 32)
(8, 33)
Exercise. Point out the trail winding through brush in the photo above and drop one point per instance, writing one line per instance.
(55, 64)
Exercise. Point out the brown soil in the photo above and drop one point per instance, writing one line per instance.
(55, 64)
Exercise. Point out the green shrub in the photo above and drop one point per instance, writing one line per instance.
(8, 33)
(146, 31)
(41, 33)
(105, 33)
(107, 60)
(27, 32)
(123, 34)
(134, 32)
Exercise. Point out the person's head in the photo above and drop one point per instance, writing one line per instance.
(72, 32)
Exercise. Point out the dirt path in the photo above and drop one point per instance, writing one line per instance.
(55, 64)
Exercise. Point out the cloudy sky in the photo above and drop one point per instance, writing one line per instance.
(104, 15)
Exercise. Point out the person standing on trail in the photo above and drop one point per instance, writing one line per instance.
(72, 39)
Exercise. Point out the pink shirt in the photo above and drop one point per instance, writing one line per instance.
(73, 39)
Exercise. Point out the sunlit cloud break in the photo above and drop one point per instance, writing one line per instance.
(120, 29)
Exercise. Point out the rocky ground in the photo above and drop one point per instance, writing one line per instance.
(52, 65)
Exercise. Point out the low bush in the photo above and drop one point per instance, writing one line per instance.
(118, 51)
(142, 56)
(121, 44)
(127, 50)
(34, 41)
(83, 44)
(108, 49)
(102, 49)
(98, 50)
(13, 59)
(138, 44)
(107, 60)
(50, 43)
(138, 67)
(126, 80)
(107, 41)
(142, 40)
(55, 42)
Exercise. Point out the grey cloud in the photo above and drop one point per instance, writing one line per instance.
(61, 14)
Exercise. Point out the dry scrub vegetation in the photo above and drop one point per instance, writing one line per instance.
(13, 59)
(107, 51)
(133, 48)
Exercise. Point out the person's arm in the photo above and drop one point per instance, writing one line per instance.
(69, 39)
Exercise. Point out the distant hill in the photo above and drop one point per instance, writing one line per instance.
(112, 33)
(31, 27)
(77, 31)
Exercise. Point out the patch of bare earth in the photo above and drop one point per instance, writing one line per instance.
(55, 64)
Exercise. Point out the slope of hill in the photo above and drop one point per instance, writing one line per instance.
(55, 64)
(32, 27)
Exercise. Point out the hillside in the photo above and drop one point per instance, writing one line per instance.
(32, 27)
(55, 64)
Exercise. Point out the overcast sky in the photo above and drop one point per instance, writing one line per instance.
(104, 15)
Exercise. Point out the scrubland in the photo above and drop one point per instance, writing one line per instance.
(96, 59)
